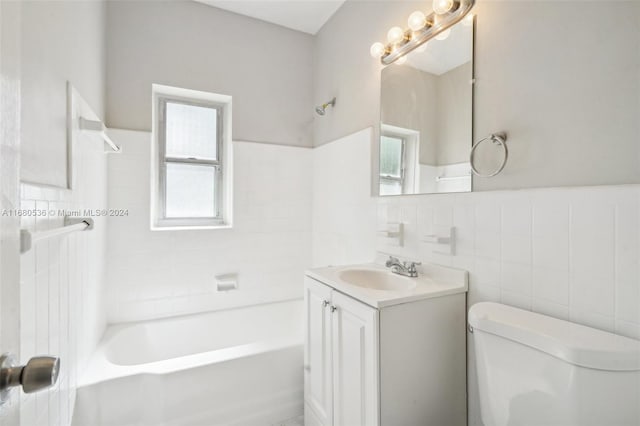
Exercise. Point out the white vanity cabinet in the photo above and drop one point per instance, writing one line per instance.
(341, 358)
(399, 364)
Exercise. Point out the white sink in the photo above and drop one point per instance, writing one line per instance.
(377, 286)
(376, 280)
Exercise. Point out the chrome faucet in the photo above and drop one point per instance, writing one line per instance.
(408, 269)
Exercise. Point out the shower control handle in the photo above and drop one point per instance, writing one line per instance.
(38, 373)
(325, 303)
(333, 308)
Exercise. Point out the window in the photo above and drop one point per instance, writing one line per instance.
(399, 171)
(391, 164)
(191, 173)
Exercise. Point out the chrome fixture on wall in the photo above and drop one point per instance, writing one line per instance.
(322, 109)
(422, 28)
(499, 139)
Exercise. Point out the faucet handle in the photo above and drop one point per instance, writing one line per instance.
(411, 266)
(392, 261)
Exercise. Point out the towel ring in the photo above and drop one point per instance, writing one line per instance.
(496, 138)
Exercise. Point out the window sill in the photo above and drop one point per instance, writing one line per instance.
(189, 227)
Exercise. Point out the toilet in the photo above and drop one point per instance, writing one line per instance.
(537, 370)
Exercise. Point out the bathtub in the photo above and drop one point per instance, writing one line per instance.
(237, 367)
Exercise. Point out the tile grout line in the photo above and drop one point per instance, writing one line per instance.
(500, 250)
(569, 216)
(616, 225)
(531, 233)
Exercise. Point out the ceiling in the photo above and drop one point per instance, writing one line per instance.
(302, 15)
(441, 56)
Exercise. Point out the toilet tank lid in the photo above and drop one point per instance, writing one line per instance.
(573, 343)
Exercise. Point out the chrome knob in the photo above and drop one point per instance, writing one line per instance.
(334, 308)
(325, 303)
(38, 373)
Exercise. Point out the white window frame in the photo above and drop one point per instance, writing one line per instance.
(410, 170)
(224, 164)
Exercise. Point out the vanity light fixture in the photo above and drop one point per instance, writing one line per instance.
(395, 35)
(442, 6)
(417, 20)
(401, 60)
(422, 28)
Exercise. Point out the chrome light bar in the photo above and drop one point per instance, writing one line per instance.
(434, 24)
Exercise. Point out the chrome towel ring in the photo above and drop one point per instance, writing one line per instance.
(496, 138)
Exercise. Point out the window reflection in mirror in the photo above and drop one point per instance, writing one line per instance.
(426, 122)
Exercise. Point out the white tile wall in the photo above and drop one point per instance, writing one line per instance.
(162, 273)
(61, 285)
(344, 217)
(572, 253)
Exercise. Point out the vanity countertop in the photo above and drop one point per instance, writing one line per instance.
(432, 281)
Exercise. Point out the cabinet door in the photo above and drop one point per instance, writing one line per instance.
(318, 391)
(355, 362)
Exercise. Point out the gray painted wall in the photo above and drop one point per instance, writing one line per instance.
(344, 68)
(407, 100)
(266, 68)
(438, 106)
(61, 41)
(567, 92)
(454, 112)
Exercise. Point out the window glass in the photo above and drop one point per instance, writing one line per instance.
(191, 131)
(390, 156)
(190, 191)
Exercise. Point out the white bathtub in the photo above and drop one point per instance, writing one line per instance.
(234, 367)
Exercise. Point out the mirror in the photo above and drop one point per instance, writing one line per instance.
(426, 118)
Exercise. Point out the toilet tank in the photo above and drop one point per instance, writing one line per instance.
(537, 370)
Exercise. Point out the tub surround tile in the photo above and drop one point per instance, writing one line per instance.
(152, 274)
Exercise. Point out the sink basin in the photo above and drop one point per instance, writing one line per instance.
(377, 280)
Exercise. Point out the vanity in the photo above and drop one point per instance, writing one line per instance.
(385, 349)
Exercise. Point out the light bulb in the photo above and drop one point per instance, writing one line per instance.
(395, 35)
(417, 20)
(377, 49)
(443, 35)
(442, 6)
(468, 20)
(401, 60)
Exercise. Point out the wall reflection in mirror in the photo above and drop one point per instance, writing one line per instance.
(426, 117)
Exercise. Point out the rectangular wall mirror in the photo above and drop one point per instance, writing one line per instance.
(426, 117)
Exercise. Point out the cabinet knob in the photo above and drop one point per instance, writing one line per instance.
(325, 303)
(334, 308)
